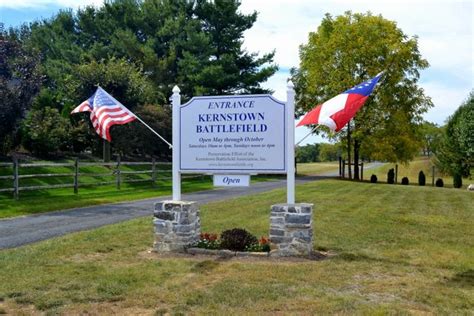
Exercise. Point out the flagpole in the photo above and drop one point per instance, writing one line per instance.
(311, 132)
(151, 129)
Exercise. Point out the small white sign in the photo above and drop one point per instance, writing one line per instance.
(231, 180)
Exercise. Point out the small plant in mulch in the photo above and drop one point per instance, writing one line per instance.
(208, 241)
(391, 176)
(263, 245)
(439, 183)
(373, 178)
(237, 239)
(421, 178)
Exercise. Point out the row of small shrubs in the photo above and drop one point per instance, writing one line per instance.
(421, 179)
(236, 239)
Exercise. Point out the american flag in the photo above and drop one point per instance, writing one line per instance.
(105, 112)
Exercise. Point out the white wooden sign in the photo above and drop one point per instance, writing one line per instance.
(243, 134)
(233, 134)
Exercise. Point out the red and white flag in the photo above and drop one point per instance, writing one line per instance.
(338, 111)
(105, 112)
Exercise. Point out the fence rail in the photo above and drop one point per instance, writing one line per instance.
(117, 171)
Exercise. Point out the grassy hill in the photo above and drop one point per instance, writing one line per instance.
(394, 250)
(411, 171)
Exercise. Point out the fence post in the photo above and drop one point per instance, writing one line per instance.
(15, 179)
(361, 171)
(396, 173)
(153, 172)
(432, 176)
(76, 175)
(343, 168)
(118, 172)
(340, 166)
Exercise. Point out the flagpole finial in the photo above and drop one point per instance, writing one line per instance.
(176, 89)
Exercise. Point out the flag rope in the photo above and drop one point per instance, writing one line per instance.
(310, 132)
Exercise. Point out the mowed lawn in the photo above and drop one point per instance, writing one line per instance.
(393, 250)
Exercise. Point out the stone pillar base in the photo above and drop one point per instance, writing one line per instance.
(177, 225)
(291, 229)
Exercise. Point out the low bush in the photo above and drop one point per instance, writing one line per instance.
(391, 176)
(457, 180)
(373, 178)
(237, 239)
(421, 178)
(405, 181)
(439, 183)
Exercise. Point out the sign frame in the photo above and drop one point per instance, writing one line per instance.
(289, 141)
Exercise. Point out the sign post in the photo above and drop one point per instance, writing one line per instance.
(176, 126)
(290, 174)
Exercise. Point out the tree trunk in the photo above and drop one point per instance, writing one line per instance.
(349, 150)
(356, 159)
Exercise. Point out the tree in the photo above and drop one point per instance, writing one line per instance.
(45, 131)
(20, 80)
(195, 44)
(431, 135)
(308, 153)
(350, 49)
(456, 152)
(330, 152)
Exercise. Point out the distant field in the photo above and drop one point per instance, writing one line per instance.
(314, 168)
(396, 250)
(411, 171)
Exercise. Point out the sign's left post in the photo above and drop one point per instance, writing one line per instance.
(176, 104)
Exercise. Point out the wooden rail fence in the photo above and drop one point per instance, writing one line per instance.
(116, 170)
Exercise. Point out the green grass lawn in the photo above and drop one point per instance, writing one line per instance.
(315, 168)
(397, 250)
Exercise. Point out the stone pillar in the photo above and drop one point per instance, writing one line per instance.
(177, 225)
(291, 229)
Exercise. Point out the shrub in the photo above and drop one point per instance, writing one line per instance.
(237, 239)
(457, 180)
(373, 178)
(391, 176)
(439, 183)
(405, 181)
(421, 178)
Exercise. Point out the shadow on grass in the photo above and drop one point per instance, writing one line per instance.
(463, 279)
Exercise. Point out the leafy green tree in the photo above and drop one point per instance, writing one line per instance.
(330, 152)
(126, 83)
(456, 153)
(431, 135)
(308, 153)
(195, 44)
(20, 80)
(351, 48)
(45, 132)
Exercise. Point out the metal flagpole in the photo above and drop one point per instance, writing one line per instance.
(151, 129)
(314, 128)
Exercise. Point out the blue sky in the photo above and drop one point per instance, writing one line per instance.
(444, 29)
